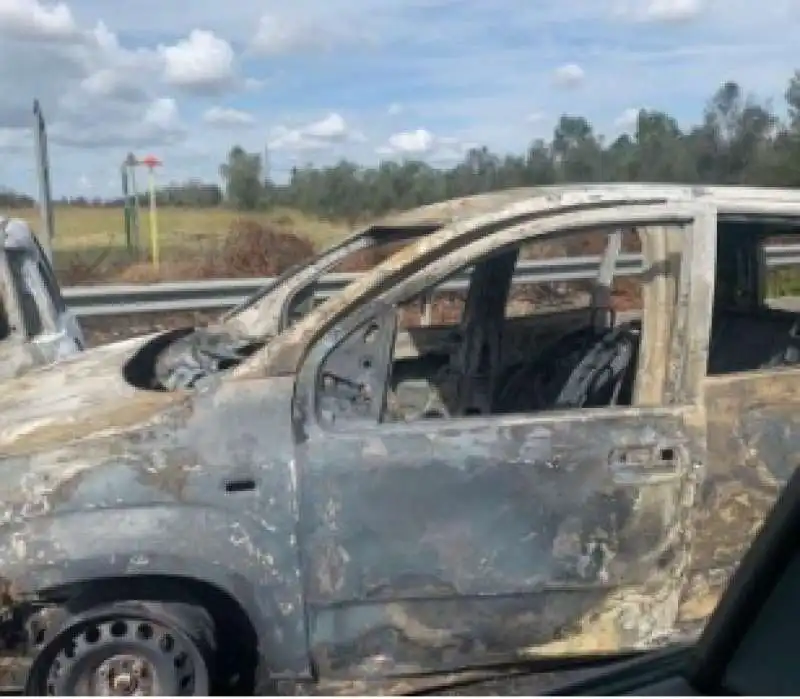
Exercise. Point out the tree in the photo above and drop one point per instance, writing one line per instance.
(243, 179)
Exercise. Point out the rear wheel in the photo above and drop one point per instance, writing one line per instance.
(127, 649)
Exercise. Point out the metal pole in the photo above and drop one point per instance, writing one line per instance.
(136, 211)
(127, 210)
(154, 243)
(43, 174)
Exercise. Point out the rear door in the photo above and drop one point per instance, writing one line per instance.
(436, 543)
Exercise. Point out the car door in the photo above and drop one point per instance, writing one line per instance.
(436, 543)
(752, 393)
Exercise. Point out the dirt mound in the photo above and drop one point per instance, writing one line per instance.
(253, 250)
(367, 259)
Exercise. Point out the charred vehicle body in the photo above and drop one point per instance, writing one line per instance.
(36, 327)
(282, 500)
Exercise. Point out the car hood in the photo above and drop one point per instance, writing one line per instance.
(15, 359)
(86, 394)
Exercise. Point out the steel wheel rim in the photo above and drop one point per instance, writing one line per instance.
(124, 656)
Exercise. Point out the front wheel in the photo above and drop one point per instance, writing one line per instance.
(127, 649)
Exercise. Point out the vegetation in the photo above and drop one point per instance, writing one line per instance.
(739, 141)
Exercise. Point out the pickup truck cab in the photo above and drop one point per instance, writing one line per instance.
(36, 327)
(557, 467)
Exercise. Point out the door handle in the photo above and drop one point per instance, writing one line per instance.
(645, 464)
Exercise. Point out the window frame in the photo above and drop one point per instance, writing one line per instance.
(544, 227)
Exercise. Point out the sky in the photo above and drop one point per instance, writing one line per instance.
(313, 81)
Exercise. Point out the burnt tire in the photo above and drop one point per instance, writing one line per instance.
(127, 648)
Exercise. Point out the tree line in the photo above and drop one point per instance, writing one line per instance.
(739, 140)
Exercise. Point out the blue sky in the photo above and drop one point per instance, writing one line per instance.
(315, 81)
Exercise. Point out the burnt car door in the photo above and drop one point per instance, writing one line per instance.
(752, 393)
(433, 543)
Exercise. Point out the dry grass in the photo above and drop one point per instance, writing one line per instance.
(82, 230)
(90, 244)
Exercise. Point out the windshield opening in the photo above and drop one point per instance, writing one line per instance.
(356, 254)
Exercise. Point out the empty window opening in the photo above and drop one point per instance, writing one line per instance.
(756, 313)
(508, 345)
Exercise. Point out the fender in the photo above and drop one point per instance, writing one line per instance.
(47, 552)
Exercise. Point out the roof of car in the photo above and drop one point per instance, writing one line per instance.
(444, 212)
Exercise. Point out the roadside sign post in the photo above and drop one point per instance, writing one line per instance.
(152, 163)
(131, 196)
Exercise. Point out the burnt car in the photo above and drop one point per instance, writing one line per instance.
(551, 469)
(36, 327)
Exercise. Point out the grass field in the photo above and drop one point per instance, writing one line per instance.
(81, 230)
(94, 238)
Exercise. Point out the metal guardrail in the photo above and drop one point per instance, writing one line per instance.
(219, 294)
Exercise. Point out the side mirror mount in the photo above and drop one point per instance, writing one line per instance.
(352, 382)
(344, 381)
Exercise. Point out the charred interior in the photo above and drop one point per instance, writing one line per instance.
(577, 349)
(508, 348)
(751, 328)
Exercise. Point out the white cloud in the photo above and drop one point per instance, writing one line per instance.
(276, 35)
(162, 113)
(394, 109)
(155, 124)
(417, 142)
(535, 117)
(423, 144)
(316, 135)
(225, 116)
(202, 61)
(317, 28)
(628, 119)
(332, 128)
(111, 83)
(28, 19)
(569, 75)
(661, 11)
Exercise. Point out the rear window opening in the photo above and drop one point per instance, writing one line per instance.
(756, 315)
